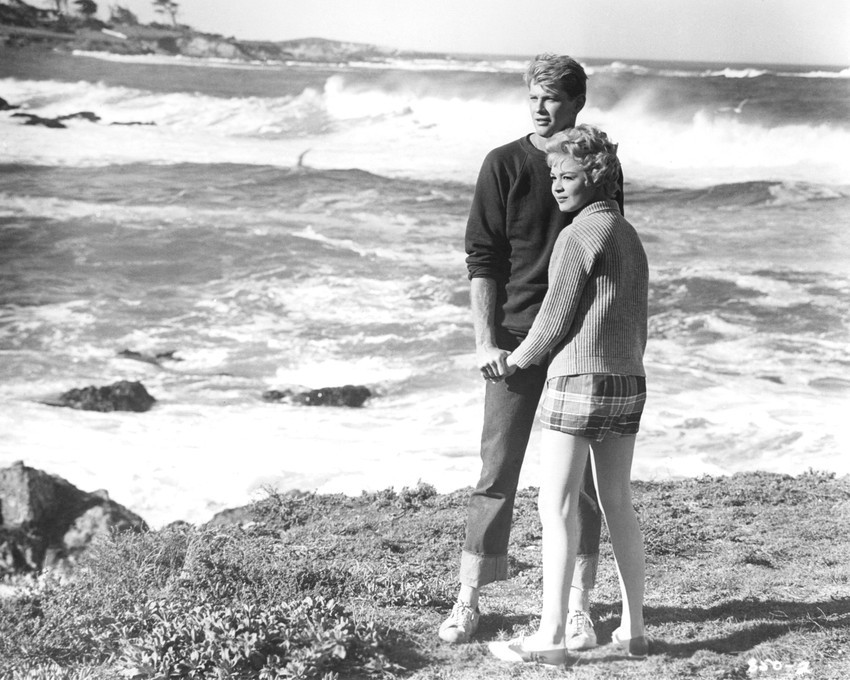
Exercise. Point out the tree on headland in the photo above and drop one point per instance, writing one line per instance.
(122, 15)
(60, 5)
(166, 7)
(88, 8)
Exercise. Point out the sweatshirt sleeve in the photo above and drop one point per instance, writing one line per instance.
(570, 270)
(486, 241)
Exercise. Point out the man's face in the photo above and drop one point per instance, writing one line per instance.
(552, 110)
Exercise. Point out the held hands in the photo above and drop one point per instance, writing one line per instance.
(494, 363)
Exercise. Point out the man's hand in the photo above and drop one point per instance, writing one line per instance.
(492, 362)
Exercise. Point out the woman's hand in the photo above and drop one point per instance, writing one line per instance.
(495, 364)
(492, 362)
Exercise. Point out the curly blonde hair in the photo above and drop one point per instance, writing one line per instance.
(590, 147)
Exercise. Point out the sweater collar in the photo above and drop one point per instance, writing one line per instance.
(597, 207)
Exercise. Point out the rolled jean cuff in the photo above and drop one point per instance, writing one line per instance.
(584, 575)
(479, 570)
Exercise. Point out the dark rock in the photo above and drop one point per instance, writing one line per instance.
(347, 395)
(154, 359)
(32, 119)
(29, 498)
(99, 520)
(6, 106)
(277, 395)
(85, 115)
(121, 396)
(21, 551)
(47, 521)
(168, 45)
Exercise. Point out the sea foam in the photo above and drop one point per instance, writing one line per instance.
(395, 131)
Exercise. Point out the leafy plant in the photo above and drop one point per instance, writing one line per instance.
(308, 639)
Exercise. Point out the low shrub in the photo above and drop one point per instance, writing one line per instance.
(309, 639)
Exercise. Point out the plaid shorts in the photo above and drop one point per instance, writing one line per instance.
(594, 404)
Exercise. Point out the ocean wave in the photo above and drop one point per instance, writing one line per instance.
(136, 214)
(741, 194)
(845, 73)
(620, 67)
(478, 64)
(413, 126)
(183, 111)
(680, 71)
(445, 63)
(788, 193)
(172, 60)
(714, 146)
(352, 246)
(735, 73)
(733, 304)
(685, 70)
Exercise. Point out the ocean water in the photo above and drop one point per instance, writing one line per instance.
(280, 225)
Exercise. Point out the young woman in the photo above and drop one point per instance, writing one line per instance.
(592, 329)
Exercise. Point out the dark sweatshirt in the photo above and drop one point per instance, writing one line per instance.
(513, 224)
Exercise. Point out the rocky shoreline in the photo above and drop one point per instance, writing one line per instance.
(25, 27)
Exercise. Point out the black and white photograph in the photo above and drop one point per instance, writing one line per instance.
(430, 341)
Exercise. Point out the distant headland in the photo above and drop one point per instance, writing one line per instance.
(25, 26)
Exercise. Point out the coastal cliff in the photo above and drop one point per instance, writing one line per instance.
(24, 26)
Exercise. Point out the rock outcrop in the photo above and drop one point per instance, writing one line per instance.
(346, 395)
(58, 121)
(33, 119)
(120, 396)
(149, 358)
(45, 521)
(6, 106)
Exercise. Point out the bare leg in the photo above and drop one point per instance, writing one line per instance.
(612, 465)
(562, 461)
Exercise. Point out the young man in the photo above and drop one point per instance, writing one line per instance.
(513, 224)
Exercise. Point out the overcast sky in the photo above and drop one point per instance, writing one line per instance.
(734, 31)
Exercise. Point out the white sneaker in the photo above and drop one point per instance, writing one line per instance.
(514, 651)
(461, 624)
(579, 634)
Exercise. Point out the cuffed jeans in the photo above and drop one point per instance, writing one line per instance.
(509, 409)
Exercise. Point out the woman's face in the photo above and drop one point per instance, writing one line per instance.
(570, 185)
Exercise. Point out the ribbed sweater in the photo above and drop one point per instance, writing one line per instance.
(513, 224)
(593, 318)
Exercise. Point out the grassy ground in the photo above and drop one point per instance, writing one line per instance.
(747, 576)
